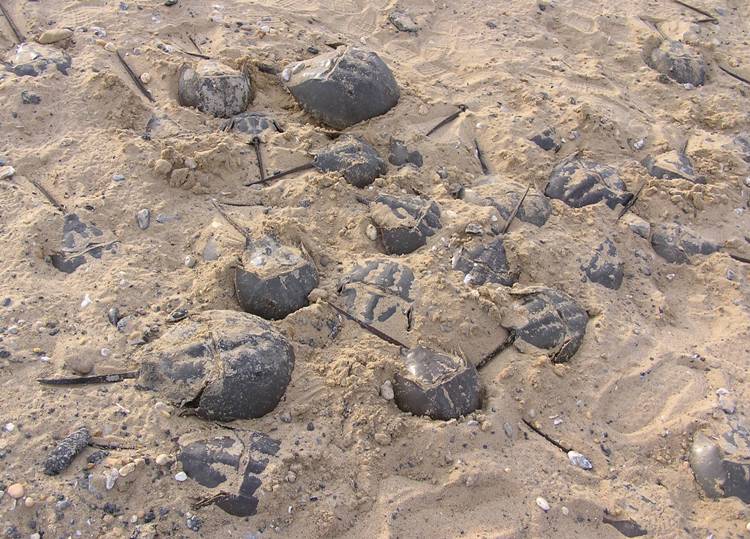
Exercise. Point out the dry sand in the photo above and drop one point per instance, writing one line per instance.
(351, 464)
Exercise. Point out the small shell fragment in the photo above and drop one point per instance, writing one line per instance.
(579, 460)
(543, 504)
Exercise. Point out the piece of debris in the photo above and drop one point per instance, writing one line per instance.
(717, 476)
(681, 63)
(343, 87)
(31, 60)
(547, 140)
(224, 365)
(436, 385)
(399, 155)
(402, 21)
(62, 456)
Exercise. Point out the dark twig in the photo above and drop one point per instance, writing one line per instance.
(739, 258)
(630, 203)
(240, 204)
(105, 444)
(52, 200)
(194, 54)
(364, 325)
(195, 44)
(501, 347)
(547, 437)
(480, 156)
(515, 211)
(277, 126)
(449, 119)
(267, 68)
(86, 380)
(278, 175)
(232, 222)
(697, 10)
(734, 75)
(135, 78)
(19, 36)
(256, 144)
(209, 500)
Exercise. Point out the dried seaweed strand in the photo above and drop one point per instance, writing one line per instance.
(449, 119)
(515, 210)
(19, 36)
(135, 78)
(278, 175)
(734, 75)
(480, 156)
(547, 437)
(696, 9)
(364, 325)
(86, 380)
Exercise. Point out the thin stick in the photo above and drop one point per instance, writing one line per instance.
(195, 44)
(104, 444)
(91, 247)
(697, 10)
(480, 156)
(240, 204)
(278, 175)
(19, 36)
(739, 258)
(135, 78)
(515, 211)
(259, 157)
(551, 440)
(630, 203)
(504, 345)
(52, 200)
(86, 380)
(209, 500)
(195, 54)
(734, 75)
(232, 222)
(364, 325)
(449, 119)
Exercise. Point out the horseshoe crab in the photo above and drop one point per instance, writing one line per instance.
(77, 238)
(354, 158)
(274, 280)
(550, 320)
(670, 166)
(32, 59)
(718, 477)
(676, 243)
(681, 63)
(343, 87)
(404, 222)
(214, 88)
(223, 364)
(251, 123)
(504, 197)
(605, 267)
(581, 182)
(436, 385)
(484, 262)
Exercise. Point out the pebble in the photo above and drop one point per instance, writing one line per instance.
(110, 47)
(54, 35)
(145, 77)
(118, 178)
(86, 301)
(29, 501)
(543, 504)
(382, 438)
(371, 232)
(386, 390)
(80, 364)
(190, 261)
(7, 172)
(291, 477)
(180, 476)
(9, 427)
(163, 167)
(16, 491)
(127, 469)
(579, 460)
(143, 217)
(565, 510)
(162, 459)
(474, 229)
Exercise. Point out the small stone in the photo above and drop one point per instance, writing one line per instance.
(86, 301)
(291, 477)
(565, 511)
(386, 390)
(169, 3)
(727, 403)
(193, 522)
(190, 261)
(7, 172)
(180, 476)
(16, 491)
(508, 429)
(53, 36)
(637, 225)
(382, 438)
(127, 469)
(162, 459)
(163, 167)
(474, 229)
(371, 232)
(286, 417)
(118, 178)
(543, 504)
(579, 460)
(145, 77)
(29, 501)
(110, 47)
(110, 477)
(27, 98)
(402, 21)
(143, 217)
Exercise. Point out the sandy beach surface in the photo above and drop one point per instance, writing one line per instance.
(665, 353)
